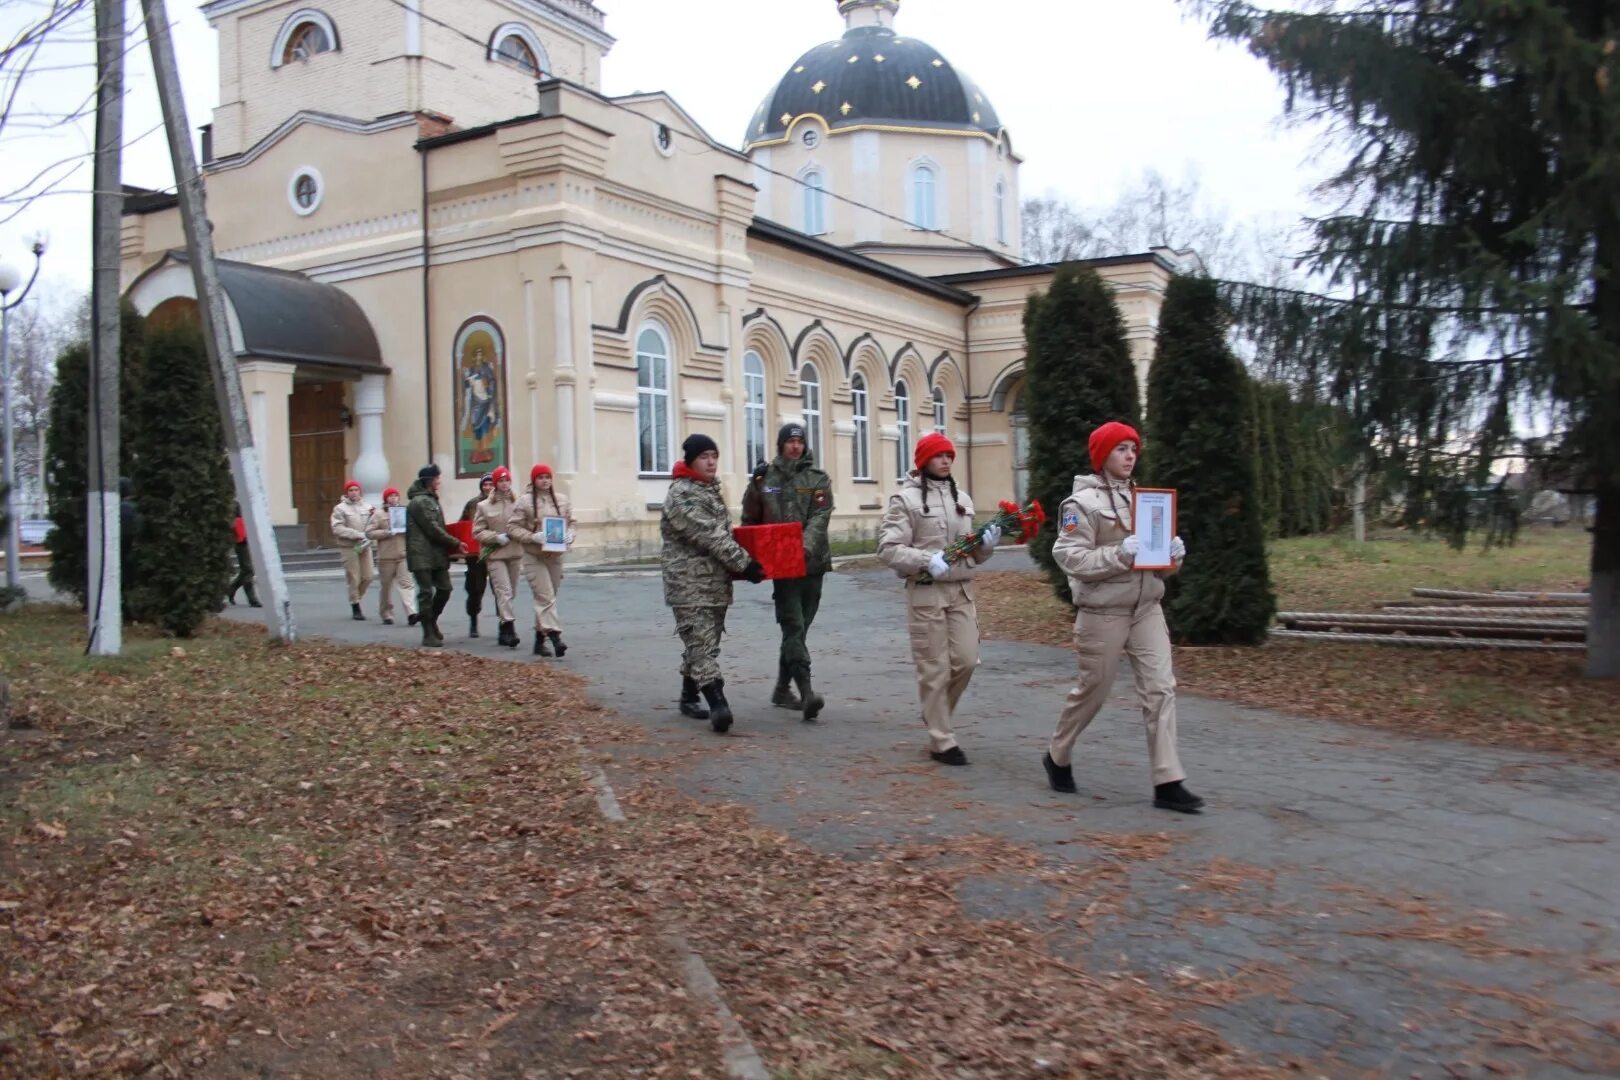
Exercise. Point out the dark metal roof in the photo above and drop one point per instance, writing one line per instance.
(139, 200)
(1029, 269)
(287, 316)
(764, 229)
(872, 77)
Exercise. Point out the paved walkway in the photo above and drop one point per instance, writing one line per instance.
(1376, 903)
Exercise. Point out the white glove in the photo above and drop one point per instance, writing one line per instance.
(504, 538)
(990, 537)
(1178, 550)
(937, 566)
(1129, 547)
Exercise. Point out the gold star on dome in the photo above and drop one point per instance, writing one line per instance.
(979, 98)
(939, 63)
(975, 118)
(914, 82)
(819, 87)
(846, 108)
(762, 129)
(799, 70)
(787, 118)
(879, 58)
(854, 59)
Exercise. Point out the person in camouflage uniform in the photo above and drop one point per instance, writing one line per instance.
(795, 490)
(428, 548)
(699, 559)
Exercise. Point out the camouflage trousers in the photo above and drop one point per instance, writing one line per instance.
(797, 601)
(700, 629)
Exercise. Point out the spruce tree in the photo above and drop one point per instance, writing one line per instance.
(1198, 396)
(183, 541)
(1475, 243)
(1268, 477)
(1079, 375)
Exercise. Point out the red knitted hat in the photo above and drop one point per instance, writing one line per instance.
(347, 484)
(1105, 438)
(538, 471)
(930, 446)
(389, 491)
(502, 473)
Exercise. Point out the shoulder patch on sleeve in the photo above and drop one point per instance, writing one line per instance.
(1071, 518)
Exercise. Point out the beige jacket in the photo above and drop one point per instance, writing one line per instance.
(909, 534)
(492, 518)
(349, 521)
(528, 520)
(1092, 523)
(389, 546)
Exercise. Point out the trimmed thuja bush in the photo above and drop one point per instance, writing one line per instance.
(1079, 375)
(1200, 406)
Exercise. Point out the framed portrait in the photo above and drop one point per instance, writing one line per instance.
(478, 369)
(396, 519)
(554, 534)
(1153, 512)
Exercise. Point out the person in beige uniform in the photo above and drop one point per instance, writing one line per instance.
(1118, 615)
(350, 517)
(492, 527)
(928, 514)
(391, 572)
(543, 568)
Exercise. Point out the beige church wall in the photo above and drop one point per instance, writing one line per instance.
(567, 55)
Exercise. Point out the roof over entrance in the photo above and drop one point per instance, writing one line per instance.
(274, 314)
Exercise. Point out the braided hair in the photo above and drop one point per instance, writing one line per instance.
(956, 498)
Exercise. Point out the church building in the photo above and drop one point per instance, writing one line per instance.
(440, 241)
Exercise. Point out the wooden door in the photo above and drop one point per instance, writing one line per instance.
(315, 419)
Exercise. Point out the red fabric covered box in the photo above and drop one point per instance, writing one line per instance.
(462, 530)
(778, 548)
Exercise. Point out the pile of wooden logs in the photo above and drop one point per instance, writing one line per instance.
(1454, 619)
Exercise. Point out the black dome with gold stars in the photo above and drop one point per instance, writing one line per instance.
(872, 78)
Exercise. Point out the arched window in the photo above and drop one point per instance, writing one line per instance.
(303, 34)
(754, 409)
(1001, 211)
(515, 44)
(815, 203)
(902, 421)
(810, 385)
(924, 211)
(652, 400)
(939, 410)
(863, 429)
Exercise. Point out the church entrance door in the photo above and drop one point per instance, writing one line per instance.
(315, 422)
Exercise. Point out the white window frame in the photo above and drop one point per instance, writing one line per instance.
(902, 424)
(813, 211)
(754, 420)
(925, 184)
(653, 400)
(291, 25)
(939, 410)
(810, 396)
(1001, 211)
(859, 406)
(524, 33)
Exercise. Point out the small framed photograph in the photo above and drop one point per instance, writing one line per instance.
(555, 533)
(1153, 511)
(396, 519)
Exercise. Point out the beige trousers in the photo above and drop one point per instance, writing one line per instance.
(944, 627)
(357, 569)
(1101, 640)
(503, 578)
(545, 574)
(391, 574)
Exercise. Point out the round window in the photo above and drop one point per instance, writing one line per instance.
(811, 138)
(305, 190)
(664, 139)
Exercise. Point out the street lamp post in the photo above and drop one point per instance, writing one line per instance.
(10, 278)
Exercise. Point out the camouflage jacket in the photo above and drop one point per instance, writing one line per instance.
(795, 491)
(428, 546)
(699, 554)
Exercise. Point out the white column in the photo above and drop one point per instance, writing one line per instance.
(566, 377)
(531, 380)
(268, 388)
(371, 467)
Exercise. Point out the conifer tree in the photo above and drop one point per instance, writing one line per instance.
(1198, 396)
(182, 548)
(1268, 479)
(1476, 244)
(1079, 375)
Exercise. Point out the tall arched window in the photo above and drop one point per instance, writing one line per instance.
(515, 51)
(303, 34)
(924, 213)
(516, 44)
(810, 385)
(902, 421)
(754, 409)
(1001, 211)
(815, 203)
(939, 410)
(652, 400)
(863, 429)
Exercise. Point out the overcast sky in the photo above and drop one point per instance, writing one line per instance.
(1093, 92)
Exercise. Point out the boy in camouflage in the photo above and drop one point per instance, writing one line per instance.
(699, 558)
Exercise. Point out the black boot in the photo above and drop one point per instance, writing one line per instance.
(359, 616)
(691, 704)
(783, 696)
(540, 644)
(557, 643)
(719, 711)
(412, 620)
(430, 635)
(1061, 777)
(1173, 796)
(252, 597)
(813, 702)
(230, 597)
(953, 756)
(473, 629)
(512, 639)
(441, 600)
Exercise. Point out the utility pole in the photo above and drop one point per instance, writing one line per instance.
(245, 471)
(106, 592)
